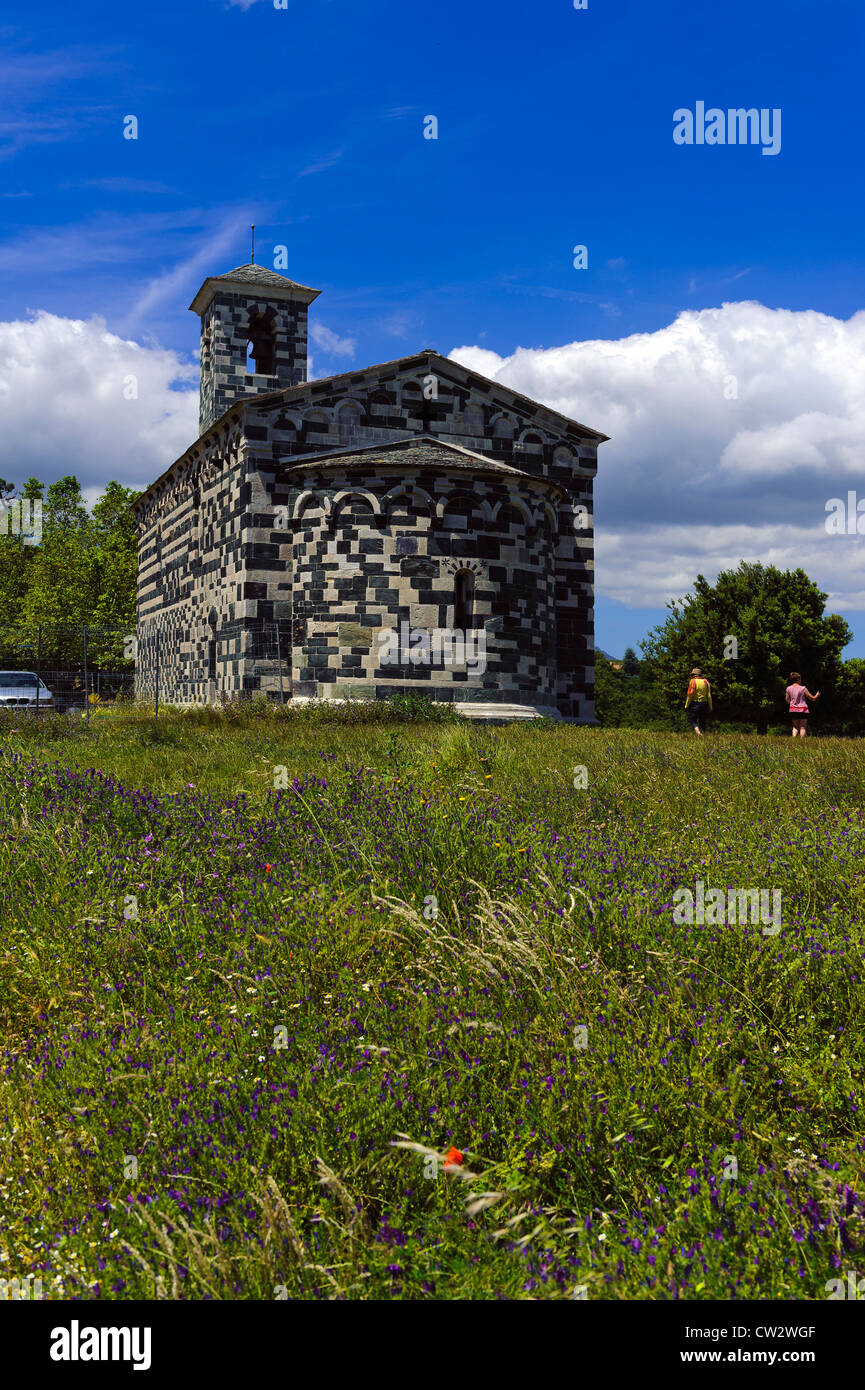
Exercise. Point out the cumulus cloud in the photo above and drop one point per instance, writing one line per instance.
(330, 342)
(730, 430)
(69, 405)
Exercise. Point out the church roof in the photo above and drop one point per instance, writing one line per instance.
(414, 451)
(253, 275)
(445, 367)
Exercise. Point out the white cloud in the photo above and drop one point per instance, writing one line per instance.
(330, 342)
(730, 429)
(62, 384)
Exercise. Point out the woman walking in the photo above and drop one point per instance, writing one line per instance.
(698, 701)
(797, 698)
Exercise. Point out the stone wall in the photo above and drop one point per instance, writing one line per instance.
(365, 552)
(191, 573)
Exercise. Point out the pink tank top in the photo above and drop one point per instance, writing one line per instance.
(798, 703)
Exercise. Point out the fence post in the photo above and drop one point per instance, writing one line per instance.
(156, 706)
(279, 663)
(38, 664)
(86, 678)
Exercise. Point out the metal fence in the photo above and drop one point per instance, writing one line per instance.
(269, 645)
(244, 658)
(65, 667)
(82, 668)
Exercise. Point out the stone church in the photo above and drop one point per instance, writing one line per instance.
(410, 526)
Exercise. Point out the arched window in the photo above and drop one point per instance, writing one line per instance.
(412, 392)
(349, 419)
(315, 424)
(511, 520)
(464, 592)
(262, 344)
(503, 428)
(459, 512)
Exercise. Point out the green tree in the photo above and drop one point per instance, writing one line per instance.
(747, 631)
(116, 562)
(629, 702)
(848, 706)
(83, 571)
(61, 590)
(33, 489)
(630, 663)
(16, 562)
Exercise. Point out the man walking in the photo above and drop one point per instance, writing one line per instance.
(698, 701)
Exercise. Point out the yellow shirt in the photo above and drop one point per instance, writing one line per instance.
(698, 691)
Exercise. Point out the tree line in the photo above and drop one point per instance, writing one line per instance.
(82, 570)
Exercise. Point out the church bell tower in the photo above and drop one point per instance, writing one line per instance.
(253, 336)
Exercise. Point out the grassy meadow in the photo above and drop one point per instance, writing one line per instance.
(314, 1008)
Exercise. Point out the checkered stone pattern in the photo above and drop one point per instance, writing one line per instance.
(224, 337)
(192, 574)
(342, 507)
(381, 551)
(427, 395)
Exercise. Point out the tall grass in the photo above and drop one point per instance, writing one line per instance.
(248, 1013)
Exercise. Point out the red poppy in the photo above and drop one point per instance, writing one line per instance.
(453, 1157)
(267, 868)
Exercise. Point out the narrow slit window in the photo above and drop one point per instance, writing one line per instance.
(463, 600)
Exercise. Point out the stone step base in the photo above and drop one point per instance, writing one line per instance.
(504, 714)
(488, 712)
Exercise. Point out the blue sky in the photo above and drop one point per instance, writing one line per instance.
(555, 129)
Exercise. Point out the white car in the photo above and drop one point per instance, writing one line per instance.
(18, 689)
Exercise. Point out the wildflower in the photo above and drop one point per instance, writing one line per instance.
(453, 1158)
(267, 868)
